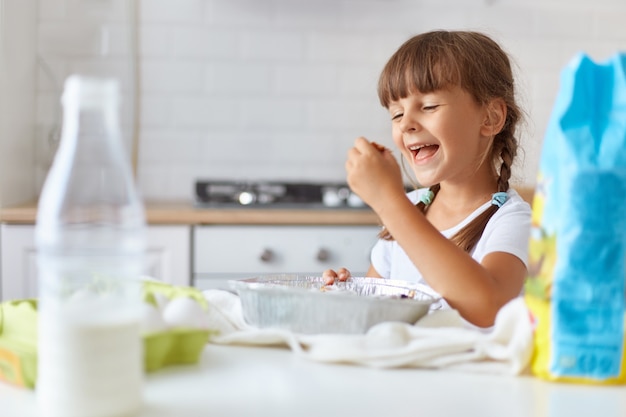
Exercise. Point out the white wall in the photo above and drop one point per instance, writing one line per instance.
(18, 28)
(279, 89)
(90, 37)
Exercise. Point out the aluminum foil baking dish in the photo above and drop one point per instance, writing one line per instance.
(303, 304)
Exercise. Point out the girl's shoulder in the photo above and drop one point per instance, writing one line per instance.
(515, 209)
(516, 201)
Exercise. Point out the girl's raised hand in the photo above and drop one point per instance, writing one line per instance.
(373, 172)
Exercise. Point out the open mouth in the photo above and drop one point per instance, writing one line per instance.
(421, 152)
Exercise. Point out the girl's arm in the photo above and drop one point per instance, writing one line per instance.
(476, 290)
(372, 273)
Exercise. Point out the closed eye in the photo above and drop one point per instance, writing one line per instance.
(430, 108)
(397, 116)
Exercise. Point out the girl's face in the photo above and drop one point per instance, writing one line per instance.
(442, 134)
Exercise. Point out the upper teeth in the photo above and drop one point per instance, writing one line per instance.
(418, 147)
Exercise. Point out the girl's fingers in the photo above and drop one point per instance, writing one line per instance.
(364, 145)
(343, 274)
(380, 148)
(329, 277)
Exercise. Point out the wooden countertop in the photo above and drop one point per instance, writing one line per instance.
(187, 213)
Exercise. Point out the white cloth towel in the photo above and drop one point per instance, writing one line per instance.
(441, 339)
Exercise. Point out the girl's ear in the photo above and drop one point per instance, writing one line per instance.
(495, 117)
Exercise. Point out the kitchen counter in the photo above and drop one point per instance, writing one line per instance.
(187, 213)
(253, 381)
(182, 239)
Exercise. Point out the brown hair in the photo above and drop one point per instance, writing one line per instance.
(471, 60)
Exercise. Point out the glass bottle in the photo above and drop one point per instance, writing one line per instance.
(90, 240)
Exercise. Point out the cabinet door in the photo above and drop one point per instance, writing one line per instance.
(18, 273)
(230, 252)
(168, 258)
(169, 254)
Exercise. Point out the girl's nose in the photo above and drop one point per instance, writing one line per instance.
(409, 124)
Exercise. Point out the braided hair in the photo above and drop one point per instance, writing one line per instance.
(435, 60)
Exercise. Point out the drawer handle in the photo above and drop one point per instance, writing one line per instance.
(267, 255)
(323, 255)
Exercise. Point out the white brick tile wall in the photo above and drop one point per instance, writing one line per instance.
(173, 76)
(178, 11)
(254, 79)
(240, 14)
(571, 25)
(272, 114)
(299, 14)
(156, 111)
(279, 89)
(306, 79)
(357, 81)
(59, 39)
(609, 24)
(279, 46)
(512, 20)
(331, 114)
(200, 111)
(52, 9)
(178, 145)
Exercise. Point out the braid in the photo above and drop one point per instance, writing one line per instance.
(507, 155)
(467, 237)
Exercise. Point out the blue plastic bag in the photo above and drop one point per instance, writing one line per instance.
(577, 269)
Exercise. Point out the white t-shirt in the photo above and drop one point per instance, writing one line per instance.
(507, 231)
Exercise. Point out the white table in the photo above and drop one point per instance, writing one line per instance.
(252, 381)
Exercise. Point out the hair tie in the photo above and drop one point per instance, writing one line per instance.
(498, 199)
(427, 197)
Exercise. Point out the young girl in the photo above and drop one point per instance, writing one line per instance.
(450, 96)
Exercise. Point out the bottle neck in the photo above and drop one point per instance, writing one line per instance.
(90, 118)
(91, 134)
(92, 177)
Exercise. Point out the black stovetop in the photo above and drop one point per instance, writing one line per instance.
(275, 194)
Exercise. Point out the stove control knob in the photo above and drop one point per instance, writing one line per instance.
(330, 198)
(265, 198)
(344, 193)
(267, 255)
(355, 201)
(246, 198)
(323, 254)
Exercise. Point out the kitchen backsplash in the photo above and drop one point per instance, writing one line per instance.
(279, 89)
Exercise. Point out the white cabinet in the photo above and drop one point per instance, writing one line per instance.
(234, 251)
(18, 274)
(169, 254)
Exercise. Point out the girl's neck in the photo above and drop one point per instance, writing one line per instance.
(454, 202)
